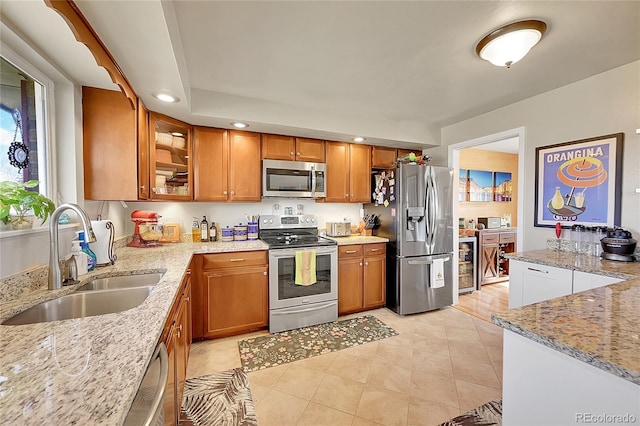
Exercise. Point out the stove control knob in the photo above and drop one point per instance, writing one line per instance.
(270, 220)
(264, 220)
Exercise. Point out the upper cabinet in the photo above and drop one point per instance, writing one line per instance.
(348, 172)
(227, 165)
(144, 189)
(383, 157)
(110, 149)
(169, 158)
(277, 147)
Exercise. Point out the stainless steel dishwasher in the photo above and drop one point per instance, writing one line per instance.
(147, 405)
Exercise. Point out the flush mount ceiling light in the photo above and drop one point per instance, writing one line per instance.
(508, 44)
(239, 125)
(358, 139)
(165, 97)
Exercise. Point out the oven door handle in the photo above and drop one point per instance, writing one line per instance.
(292, 252)
(300, 311)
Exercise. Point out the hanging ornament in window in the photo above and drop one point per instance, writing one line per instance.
(18, 151)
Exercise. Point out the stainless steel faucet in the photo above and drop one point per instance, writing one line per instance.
(55, 273)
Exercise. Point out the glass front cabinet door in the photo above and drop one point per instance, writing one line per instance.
(170, 158)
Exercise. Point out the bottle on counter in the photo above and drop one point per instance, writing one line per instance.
(195, 230)
(204, 230)
(82, 262)
(92, 260)
(213, 232)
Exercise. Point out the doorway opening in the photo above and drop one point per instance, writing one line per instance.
(492, 155)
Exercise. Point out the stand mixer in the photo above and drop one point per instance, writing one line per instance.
(147, 232)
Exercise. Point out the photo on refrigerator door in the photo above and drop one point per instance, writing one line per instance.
(579, 182)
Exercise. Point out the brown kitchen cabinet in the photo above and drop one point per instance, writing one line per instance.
(278, 147)
(170, 169)
(361, 277)
(348, 172)
(227, 165)
(493, 245)
(110, 145)
(235, 293)
(144, 189)
(177, 338)
(383, 157)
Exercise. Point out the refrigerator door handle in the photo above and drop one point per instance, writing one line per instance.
(426, 262)
(432, 202)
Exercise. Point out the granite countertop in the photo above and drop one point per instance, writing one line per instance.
(87, 370)
(599, 326)
(358, 239)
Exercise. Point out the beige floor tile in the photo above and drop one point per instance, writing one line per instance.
(384, 406)
(475, 372)
(279, 409)
(484, 326)
(267, 376)
(430, 331)
(430, 363)
(339, 393)
(468, 351)
(434, 388)
(359, 421)
(392, 377)
(398, 355)
(300, 382)
(350, 367)
(404, 340)
(321, 415)
(425, 413)
(434, 345)
(320, 362)
(212, 359)
(258, 392)
(472, 395)
(468, 335)
(490, 339)
(368, 350)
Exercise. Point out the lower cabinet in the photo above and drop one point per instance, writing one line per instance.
(235, 293)
(361, 277)
(532, 282)
(177, 338)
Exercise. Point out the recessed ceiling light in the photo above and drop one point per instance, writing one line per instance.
(358, 139)
(165, 97)
(508, 44)
(239, 125)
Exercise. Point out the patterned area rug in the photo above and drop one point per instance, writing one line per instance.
(280, 348)
(221, 399)
(485, 415)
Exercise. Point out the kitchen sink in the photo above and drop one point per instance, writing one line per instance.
(83, 304)
(122, 281)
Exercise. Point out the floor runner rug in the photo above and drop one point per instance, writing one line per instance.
(488, 414)
(280, 348)
(221, 399)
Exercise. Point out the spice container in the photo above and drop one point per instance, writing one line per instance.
(227, 234)
(240, 232)
(252, 231)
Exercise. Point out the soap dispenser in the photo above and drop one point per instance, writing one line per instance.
(81, 257)
(92, 260)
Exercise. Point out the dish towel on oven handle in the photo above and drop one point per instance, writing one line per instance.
(305, 267)
(437, 273)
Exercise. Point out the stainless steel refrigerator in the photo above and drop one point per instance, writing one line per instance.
(414, 208)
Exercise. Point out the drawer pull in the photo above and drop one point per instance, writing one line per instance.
(351, 251)
(375, 249)
(538, 270)
(236, 260)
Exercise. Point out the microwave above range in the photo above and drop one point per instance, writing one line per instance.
(295, 179)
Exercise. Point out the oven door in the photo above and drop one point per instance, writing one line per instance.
(284, 292)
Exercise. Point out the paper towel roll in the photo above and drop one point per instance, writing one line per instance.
(103, 246)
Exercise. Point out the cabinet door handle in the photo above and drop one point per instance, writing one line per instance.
(153, 190)
(360, 263)
(264, 273)
(187, 299)
(375, 249)
(346, 195)
(366, 263)
(297, 153)
(224, 192)
(232, 192)
(142, 187)
(291, 153)
(236, 260)
(538, 270)
(351, 251)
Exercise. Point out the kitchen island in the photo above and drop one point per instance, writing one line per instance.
(87, 371)
(574, 359)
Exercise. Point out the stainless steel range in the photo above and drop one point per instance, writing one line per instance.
(303, 272)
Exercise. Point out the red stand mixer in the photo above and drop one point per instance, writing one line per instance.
(147, 232)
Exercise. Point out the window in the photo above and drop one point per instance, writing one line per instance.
(23, 154)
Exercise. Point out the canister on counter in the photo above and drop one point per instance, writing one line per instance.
(227, 234)
(240, 232)
(252, 232)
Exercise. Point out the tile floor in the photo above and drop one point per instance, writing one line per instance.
(442, 364)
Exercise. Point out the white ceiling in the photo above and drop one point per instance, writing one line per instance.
(394, 72)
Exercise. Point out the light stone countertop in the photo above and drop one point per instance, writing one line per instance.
(600, 326)
(358, 239)
(86, 371)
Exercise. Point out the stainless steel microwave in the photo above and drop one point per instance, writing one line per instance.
(295, 179)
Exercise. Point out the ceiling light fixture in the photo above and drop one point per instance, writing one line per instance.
(239, 125)
(165, 97)
(508, 44)
(358, 139)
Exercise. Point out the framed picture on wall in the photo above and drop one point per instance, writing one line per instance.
(480, 184)
(502, 186)
(579, 182)
(463, 186)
